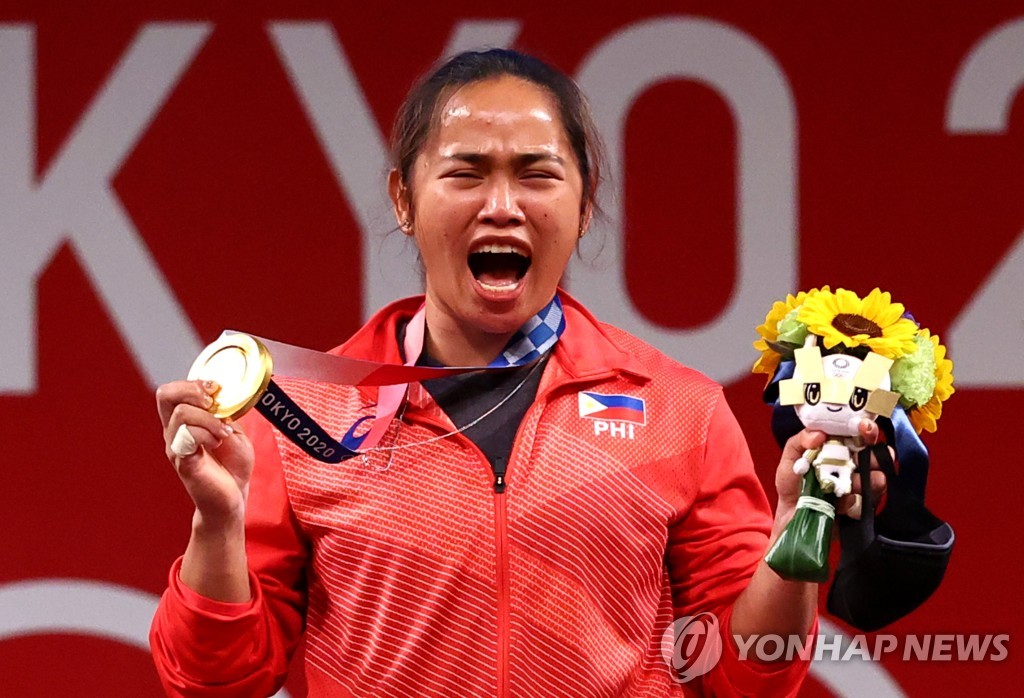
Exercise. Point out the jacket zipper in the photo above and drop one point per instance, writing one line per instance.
(500, 472)
(502, 554)
(504, 602)
(501, 537)
(500, 466)
(498, 483)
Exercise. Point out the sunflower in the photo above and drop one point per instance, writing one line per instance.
(875, 322)
(781, 319)
(923, 417)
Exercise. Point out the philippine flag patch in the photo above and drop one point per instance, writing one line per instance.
(616, 408)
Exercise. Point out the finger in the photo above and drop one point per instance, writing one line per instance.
(877, 483)
(234, 438)
(878, 486)
(874, 461)
(870, 432)
(851, 505)
(184, 413)
(197, 393)
(183, 444)
(189, 442)
(803, 441)
(204, 430)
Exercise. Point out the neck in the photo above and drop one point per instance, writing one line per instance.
(453, 344)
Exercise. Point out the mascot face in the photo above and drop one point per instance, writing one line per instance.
(835, 393)
(831, 411)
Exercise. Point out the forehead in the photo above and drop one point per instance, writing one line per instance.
(504, 110)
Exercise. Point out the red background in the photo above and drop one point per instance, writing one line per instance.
(233, 196)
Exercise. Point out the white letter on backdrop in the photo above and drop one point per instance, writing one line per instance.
(986, 339)
(753, 85)
(75, 201)
(352, 141)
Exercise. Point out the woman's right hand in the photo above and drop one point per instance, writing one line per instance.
(217, 474)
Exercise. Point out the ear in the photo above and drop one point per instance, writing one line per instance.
(586, 216)
(400, 201)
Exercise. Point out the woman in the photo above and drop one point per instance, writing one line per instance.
(493, 543)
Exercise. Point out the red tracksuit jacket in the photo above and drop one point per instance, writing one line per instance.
(414, 577)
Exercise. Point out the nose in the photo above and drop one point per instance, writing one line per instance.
(501, 204)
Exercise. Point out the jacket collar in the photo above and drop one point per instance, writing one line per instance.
(584, 351)
(587, 350)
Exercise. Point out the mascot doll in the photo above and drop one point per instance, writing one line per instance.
(836, 359)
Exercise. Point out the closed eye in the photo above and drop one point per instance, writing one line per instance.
(535, 179)
(540, 174)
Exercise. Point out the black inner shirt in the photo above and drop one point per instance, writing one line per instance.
(467, 396)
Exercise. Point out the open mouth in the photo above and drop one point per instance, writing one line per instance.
(498, 267)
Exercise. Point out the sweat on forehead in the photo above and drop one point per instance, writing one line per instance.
(504, 101)
(495, 116)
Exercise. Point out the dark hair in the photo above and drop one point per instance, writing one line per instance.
(419, 112)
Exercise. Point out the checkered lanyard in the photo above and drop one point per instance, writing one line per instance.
(532, 340)
(528, 344)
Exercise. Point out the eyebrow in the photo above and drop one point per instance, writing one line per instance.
(520, 159)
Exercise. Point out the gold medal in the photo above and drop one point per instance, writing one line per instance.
(241, 365)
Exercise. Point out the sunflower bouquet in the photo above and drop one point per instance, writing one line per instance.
(838, 359)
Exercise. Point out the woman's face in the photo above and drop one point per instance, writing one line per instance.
(495, 206)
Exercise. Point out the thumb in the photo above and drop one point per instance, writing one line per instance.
(870, 432)
(803, 441)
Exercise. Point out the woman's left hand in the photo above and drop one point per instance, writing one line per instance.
(787, 483)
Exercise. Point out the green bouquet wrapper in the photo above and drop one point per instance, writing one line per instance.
(801, 552)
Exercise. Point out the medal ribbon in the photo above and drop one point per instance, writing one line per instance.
(526, 346)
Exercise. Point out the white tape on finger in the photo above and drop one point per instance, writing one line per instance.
(183, 444)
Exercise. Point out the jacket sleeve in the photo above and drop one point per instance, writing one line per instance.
(712, 554)
(204, 647)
